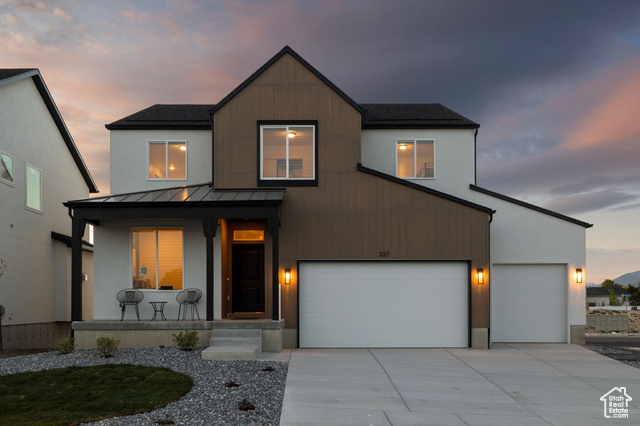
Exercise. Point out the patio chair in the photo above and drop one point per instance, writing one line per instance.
(129, 296)
(188, 297)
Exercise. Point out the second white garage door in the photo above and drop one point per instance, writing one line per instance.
(383, 304)
(529, 303)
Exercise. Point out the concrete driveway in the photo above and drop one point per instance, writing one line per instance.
(515, 384)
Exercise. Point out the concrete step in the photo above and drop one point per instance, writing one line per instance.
(234, 341)
(235, 332)
(231, 353)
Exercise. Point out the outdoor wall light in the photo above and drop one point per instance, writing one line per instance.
(480, 273)
(579, 275)
(287, 276)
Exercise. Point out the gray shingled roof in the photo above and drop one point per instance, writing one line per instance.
(604, 291)
(196, 117)
(184, 117)
(412, 116)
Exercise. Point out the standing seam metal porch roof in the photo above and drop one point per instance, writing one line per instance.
(193, 194)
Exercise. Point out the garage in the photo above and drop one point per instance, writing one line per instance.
(383, 304)
(529, 303)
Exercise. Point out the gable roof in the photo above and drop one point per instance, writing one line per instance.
(413, 116)
(11, 75)
(166, 117)
(423, 188)
(604, 291)
(530, 206)
(270, 62)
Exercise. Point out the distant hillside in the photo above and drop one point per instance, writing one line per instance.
(630, 278)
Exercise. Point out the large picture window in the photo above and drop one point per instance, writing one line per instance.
(6, 167)
(288, 152)
(34, 188)
(167, 160)
(415, 159)
(157, 258)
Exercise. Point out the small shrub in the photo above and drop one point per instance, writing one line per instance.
(65, 345)
(107, 346)
(268, 368)
(245, 405)
(186, 340)
(232, 384)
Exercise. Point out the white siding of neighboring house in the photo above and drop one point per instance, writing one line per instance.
(30, 135)
(129, 156)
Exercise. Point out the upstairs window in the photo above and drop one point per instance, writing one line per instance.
(6, 168)
(34, 188)
(167, 160)
(415, 159)
(288, 154)
(157, 258)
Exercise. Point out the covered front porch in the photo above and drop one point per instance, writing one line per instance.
(227, 245)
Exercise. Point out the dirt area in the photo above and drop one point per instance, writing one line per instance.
(634, 317)
(18, 352)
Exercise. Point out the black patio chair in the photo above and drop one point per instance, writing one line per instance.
(129, 296)
(188, 297)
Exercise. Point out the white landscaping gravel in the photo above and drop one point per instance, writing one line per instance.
(209, 402)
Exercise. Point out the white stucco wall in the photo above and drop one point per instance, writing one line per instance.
(112, 268)
(30, 136)
(129, 156)
(454, 155)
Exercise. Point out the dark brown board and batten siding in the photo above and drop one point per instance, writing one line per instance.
(350, 214)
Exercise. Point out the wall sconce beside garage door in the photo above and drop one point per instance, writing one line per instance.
(579, 275)
(480, 274)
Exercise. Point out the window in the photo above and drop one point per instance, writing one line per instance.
(288, 153)
(34, 188)
(6, 167)
(167, 160)
(157, 258)
(415, 159)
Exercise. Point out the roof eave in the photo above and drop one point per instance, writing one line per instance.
(421, 126)
(530, 206)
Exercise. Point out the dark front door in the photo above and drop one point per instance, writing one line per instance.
(248, 278)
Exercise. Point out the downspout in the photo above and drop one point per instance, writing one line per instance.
(475, 157)
(213, 155)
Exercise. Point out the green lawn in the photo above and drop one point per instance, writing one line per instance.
(80, 394)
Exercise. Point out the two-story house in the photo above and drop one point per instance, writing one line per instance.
(40, 168)
(325, 223)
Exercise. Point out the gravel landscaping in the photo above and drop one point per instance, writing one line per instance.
(209, 402)
(618, 354)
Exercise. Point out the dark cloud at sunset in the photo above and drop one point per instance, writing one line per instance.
(554, 85)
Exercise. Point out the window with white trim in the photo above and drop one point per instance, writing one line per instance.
(415, 159)
(157, 258)
(167, 160)
(6, 168)
(288, 152)
(34, 188)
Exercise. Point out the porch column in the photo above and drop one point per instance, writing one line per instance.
(273, 224)
(209, 226)
(77, 231)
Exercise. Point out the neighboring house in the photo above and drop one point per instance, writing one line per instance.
(40, 168)
(601, 296)
(350, 225)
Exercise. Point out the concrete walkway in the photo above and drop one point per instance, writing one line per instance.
(515, 384)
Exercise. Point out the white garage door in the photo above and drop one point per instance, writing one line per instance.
(383, 304)
(529, 303)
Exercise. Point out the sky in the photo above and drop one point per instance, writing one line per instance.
(555, 85)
